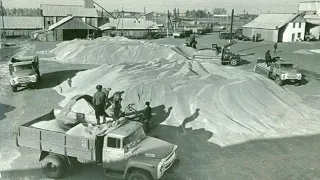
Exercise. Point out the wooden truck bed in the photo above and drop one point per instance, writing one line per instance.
(56, 142)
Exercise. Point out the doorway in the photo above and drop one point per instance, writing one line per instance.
(293, 37)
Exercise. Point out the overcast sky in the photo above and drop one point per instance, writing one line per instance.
(253, 6)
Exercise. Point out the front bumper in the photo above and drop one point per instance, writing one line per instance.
(167, 163)
(23, 81)
(291, 77)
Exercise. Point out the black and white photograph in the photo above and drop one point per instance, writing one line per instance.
(160, 89)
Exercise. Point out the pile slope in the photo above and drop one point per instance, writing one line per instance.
(108, 50)
(234, 105)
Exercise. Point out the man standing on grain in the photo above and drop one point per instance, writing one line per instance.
(99, 101)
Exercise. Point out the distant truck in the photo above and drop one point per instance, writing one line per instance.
(281, 71)
(222, 54)
(121, 146)
(24, 71)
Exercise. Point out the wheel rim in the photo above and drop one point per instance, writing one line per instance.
(52, 167)
(233, 62)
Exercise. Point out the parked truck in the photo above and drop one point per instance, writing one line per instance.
(121, 146)
(281, 71)
(24, 71)
(222, 54)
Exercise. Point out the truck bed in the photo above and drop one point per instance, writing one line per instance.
(56, 142)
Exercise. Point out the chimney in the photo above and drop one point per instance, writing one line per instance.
(88, 4)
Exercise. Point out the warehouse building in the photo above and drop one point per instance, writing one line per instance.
(311, 11)
(66, 29)
(277, 27)
(309, 7)
(54, 13)
(137, 28)
(21, 26)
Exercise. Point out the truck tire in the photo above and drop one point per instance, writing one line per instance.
(14, 88)
(53, 166)
(279, 81)
(308, 39)
(139, 175)
(234, 62)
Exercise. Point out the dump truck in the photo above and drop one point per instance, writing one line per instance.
(24, 71)
(281, 71)
(222, 54)
(120, 146)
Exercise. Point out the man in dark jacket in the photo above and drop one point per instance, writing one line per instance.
(268, 58)
(147, 116)
(275, 47)
(99, 101)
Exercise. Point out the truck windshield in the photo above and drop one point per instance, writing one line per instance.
(23, 67)
(133, 139)
(286, 66)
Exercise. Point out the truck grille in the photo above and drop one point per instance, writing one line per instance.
(23, 79)
(290, 76)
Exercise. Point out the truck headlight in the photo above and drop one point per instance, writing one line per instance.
(33, 78)
(12, 81)
(283, 76)
(299, 76)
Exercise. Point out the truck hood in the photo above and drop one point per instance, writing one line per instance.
(154, 148)
(289, 71)
(23, 73)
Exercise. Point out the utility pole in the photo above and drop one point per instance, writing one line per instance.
(3, 33)
(122, 23)
(231, 24)
(168, 17)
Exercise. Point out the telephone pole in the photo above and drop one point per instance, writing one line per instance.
(231, 24)
(122, 22)
(3, 33)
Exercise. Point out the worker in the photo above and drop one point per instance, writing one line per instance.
(107, 92)
(99, 101)
(268, 58)
(117, 103)
(275, 47)
(193, 41)
(147, 116)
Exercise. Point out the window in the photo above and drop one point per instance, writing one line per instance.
(134, 21)
(113, 142)
(299, 25)
(299, 35)
(294, 25)
(49, 22)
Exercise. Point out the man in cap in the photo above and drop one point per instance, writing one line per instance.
(147, 116)
(268, 58)
(99, 100)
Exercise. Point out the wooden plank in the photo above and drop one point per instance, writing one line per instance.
(53, 137)
(59, 149)
(29, 133)
(29, 143)
(77, 142)
(90, 155)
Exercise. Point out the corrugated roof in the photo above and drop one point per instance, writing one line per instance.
(129, 23)
(309, 6)
(65, 10)
(22, 22)
(66, 19)
(313, 19)
(270, 21)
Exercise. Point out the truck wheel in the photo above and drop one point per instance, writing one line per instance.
(233, 62)
(139, 175)
(14, 88)
(53, 166)
(279, 81)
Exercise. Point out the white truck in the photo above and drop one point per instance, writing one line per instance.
(281, 71)
(24, 71)
(121, 147)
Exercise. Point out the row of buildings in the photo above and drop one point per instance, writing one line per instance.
(286, 27)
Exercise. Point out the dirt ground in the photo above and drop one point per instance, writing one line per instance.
(292, 158)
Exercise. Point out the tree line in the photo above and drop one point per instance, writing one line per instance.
(21, 11)
(205, 13)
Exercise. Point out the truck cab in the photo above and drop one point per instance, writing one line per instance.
(129, 151)
(24, 72)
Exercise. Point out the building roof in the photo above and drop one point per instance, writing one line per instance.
(65, 10)
(313, 19)
(271, 21)
(22, 22)
(129, 23)
(309, 6)
(66, 19)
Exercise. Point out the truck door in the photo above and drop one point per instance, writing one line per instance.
(113, 154)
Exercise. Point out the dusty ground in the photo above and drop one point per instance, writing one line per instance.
(287, 158)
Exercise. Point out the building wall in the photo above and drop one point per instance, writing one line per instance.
(19, 32)
(293, 28)
(48, 21)
(269, 35)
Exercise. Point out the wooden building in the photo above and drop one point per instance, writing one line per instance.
(66, 29)
(54, 13)
(21, 26)
(129, 27)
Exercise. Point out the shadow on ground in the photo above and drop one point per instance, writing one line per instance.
(267, 159)
(4, 108)
(52, 79)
